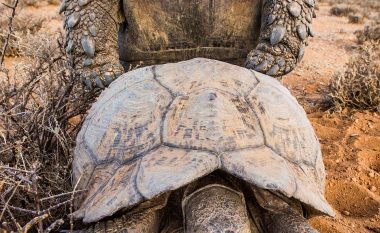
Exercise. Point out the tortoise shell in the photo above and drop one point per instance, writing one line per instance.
(161, 127)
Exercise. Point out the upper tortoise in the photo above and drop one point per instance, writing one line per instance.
(266, 35)
(200, 144)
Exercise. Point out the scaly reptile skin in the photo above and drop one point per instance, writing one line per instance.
(91, 40)
(92, 28)
(285, 28)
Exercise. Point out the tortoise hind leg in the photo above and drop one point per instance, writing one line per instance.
(287, 221)
(215, 208)
(145, 222)
(281, 215)
(145, 218)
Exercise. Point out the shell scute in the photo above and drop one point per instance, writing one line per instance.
(116, 193)
(183, 79)
(284, 123)
(262, 167)
(210, 119)
(129, 124)
(168, 168)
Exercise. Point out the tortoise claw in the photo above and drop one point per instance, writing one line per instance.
(267, 63)
(87, 83)
(99, 78)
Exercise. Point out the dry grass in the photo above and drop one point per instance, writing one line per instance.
(41, 107)
(356, 10)
(343, 10)
(23, 25)
(359, 86)
(369, 33)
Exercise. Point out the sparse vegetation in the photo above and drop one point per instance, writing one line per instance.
(359, 86)
(355, 10)
(41, 107)
(342, 10)
(369, 33)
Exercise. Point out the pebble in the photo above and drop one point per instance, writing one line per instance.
(346, 213)
(373, 188)
(354, 179)
(371, 174)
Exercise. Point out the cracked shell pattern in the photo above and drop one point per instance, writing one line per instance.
(283, 155)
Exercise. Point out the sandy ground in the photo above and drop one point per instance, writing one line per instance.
(350, 141)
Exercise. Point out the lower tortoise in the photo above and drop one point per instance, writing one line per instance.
(198, 146)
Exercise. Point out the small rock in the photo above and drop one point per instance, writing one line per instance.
(346, 213)
(373, 188)
(371, 174)
(354, 179)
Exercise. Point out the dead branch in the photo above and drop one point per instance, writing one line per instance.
(9, 199)
(54, 225)
(10, 28)
(33, 222)
(62, 195)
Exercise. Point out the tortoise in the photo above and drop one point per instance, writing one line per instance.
(104, 38)
(200, 145)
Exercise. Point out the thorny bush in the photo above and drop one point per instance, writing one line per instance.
(359, 86)
(42, 105)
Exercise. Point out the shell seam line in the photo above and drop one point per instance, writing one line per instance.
(154, 72)
(101, 187)
(163, 118)
(253, 88)
(135, 181)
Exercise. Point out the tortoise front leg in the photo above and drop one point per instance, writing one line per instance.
(285, 27)
(92, 39)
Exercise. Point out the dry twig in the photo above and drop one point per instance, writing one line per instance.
(10, 29)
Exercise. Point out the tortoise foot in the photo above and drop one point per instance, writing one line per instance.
(266, 60)
(100, 77)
